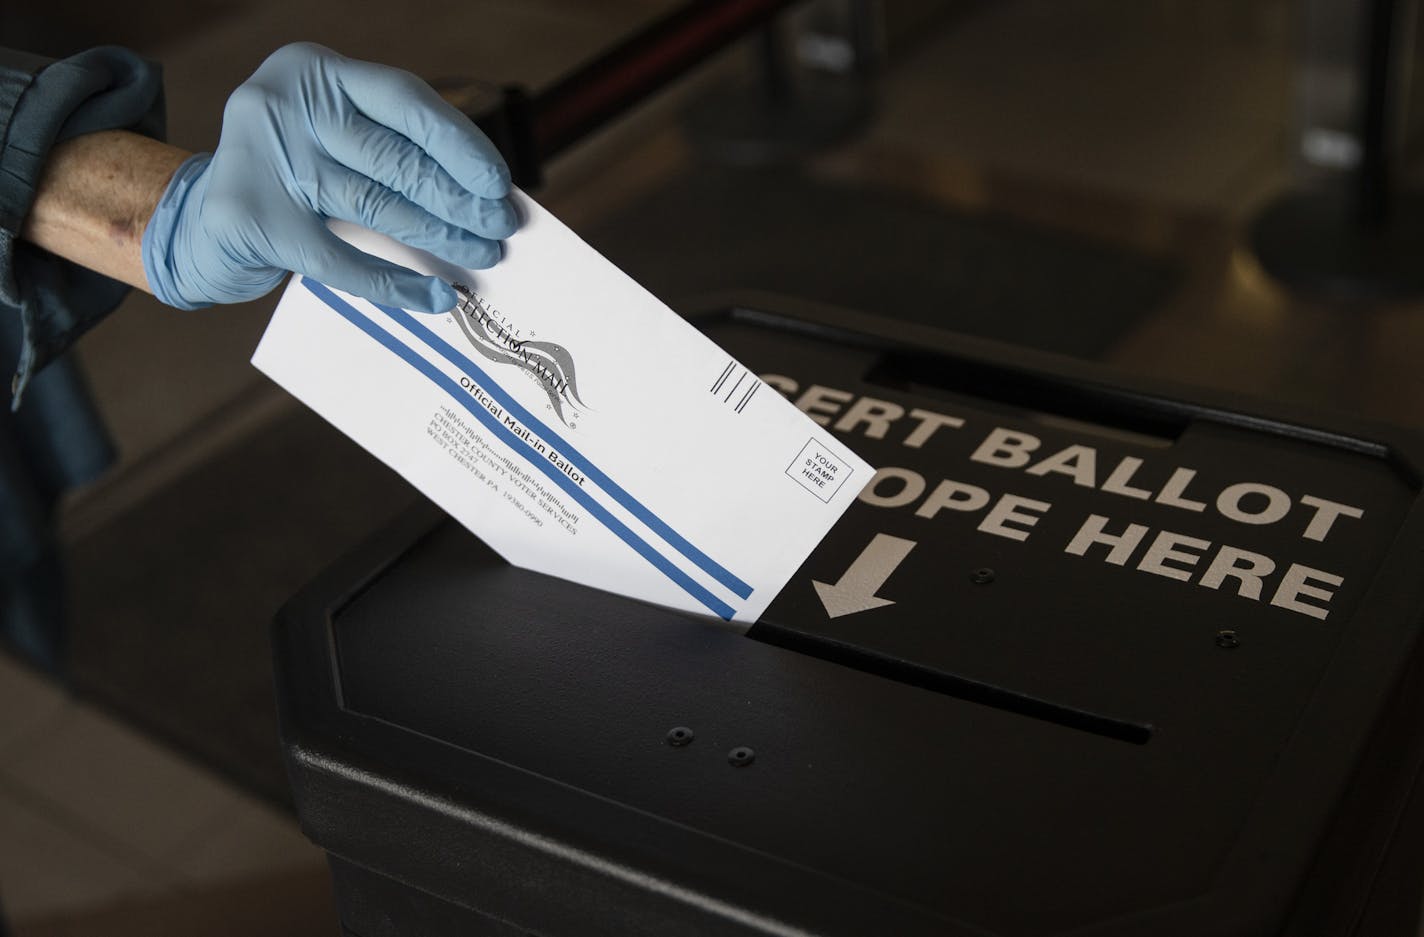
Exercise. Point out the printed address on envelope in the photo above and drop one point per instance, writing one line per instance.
(573, 422)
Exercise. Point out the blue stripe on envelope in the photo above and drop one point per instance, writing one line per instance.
(438, 377)
(708, 565)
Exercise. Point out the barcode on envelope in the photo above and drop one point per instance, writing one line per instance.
(735, 386)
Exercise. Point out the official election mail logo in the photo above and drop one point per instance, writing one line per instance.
(495, 337)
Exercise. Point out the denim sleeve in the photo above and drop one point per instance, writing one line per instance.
(57, 439)
(47, 303)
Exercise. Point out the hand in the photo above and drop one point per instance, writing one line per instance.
(313, 135)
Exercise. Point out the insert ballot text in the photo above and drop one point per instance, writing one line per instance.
(1251, 575)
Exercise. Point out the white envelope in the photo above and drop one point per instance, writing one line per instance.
(573, 422)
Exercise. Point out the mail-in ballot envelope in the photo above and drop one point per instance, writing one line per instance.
(573, 422)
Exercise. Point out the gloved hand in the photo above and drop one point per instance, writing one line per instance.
(313, 135)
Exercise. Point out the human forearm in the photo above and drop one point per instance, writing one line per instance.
(311, 137)
(96, 195)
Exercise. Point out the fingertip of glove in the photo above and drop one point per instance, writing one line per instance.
(440, 297)
(423, 294)
(484, 253)
(501, 220)
(496, 181)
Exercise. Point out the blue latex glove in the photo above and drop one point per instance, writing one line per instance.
(313, 135)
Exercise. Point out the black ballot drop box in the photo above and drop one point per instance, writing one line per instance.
(1089, 656)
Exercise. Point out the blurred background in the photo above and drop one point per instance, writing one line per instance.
(1095, 178)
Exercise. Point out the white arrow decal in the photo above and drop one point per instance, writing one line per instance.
(856, 590)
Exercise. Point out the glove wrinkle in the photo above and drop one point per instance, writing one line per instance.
(314, 136)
